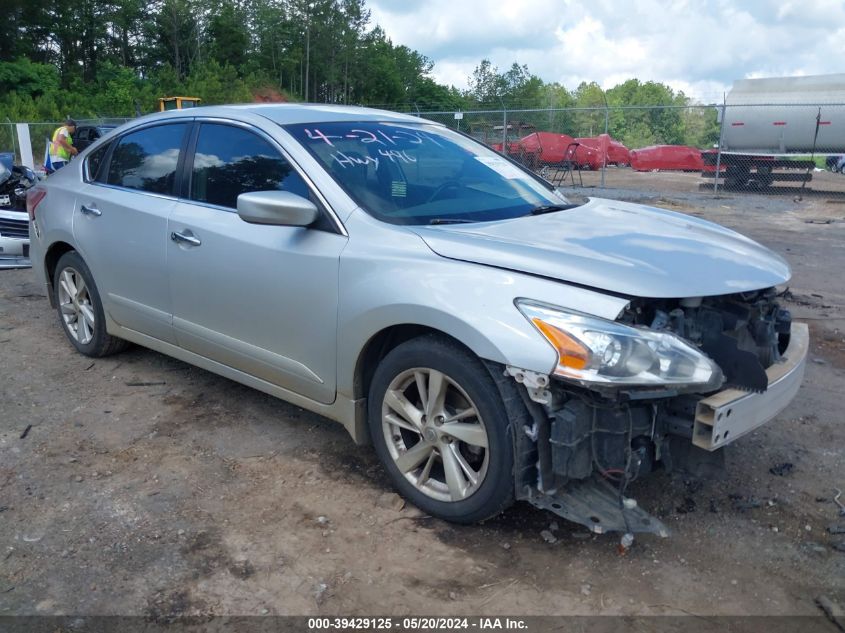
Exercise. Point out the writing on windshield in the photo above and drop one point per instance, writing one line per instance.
(386, 145)
(411, 173)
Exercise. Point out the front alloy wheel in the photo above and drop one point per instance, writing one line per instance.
(434, 434)
(441, 430)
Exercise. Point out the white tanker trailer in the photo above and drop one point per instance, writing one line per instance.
(766, 120)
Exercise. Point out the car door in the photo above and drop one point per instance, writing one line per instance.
(259, 298)
(120, 225)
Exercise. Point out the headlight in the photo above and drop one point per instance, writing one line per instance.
(594, 351)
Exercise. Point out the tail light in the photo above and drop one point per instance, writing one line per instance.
(33, 197)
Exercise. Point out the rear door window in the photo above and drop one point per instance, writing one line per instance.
(229, 161)
(146, 160)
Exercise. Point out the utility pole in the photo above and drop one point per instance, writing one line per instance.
(721, 140)
(307, 47)
(606, 140)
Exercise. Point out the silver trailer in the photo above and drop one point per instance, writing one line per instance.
(778, 115)
(768, 121)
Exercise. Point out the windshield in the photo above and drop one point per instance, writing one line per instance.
(407, 173)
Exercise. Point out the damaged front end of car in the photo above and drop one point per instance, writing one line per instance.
(665, 385)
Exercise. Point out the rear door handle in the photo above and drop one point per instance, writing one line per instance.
(91, 210)
(186, 238)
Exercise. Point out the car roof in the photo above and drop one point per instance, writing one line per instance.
(290, 113)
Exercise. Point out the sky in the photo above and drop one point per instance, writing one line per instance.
(696, 46)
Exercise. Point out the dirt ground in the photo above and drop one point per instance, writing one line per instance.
(140, 485)
(823, 183)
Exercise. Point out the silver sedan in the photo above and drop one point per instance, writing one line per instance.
(492, 339)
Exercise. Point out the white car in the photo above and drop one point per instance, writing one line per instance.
(14, 222)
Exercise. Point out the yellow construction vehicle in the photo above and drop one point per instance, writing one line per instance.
(177, 103)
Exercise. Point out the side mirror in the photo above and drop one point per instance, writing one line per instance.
(280, 208)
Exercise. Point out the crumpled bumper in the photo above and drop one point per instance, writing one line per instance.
(731, 413)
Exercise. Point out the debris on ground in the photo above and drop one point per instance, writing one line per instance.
(833, 611)
(548, 537)
(320, 592)
(390, 501)
(782, 469)
(836, 528)
(838, 502)
(26, 431)
(742, 504)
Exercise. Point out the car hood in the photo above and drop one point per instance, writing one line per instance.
(620, 247)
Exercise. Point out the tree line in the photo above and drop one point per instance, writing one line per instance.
(96, 58)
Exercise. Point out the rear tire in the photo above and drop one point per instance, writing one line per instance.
(80, 309)
(439, 427)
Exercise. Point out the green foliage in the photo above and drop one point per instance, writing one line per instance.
(27, 77)
(228, 36)
(100, 58)
(214, 83)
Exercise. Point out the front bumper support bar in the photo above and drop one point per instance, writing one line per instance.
(731, 413)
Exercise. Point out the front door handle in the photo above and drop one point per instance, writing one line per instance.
(186, 238)
(91, 210)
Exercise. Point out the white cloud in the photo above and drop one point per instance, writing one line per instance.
(699, 46)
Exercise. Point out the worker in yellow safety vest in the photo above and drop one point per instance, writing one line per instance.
(61, 147)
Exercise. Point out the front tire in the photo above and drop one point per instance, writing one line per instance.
(80, 309)
(440, 429)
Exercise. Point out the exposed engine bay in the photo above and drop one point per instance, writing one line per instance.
(743, 333)
(611, 437)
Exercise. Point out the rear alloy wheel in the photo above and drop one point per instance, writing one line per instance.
(75, 306)
(439, 427)
(80, 309)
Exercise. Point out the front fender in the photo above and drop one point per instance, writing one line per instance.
(402, 282)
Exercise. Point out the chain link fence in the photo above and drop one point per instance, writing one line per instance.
(40, 134)
(765, 148)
